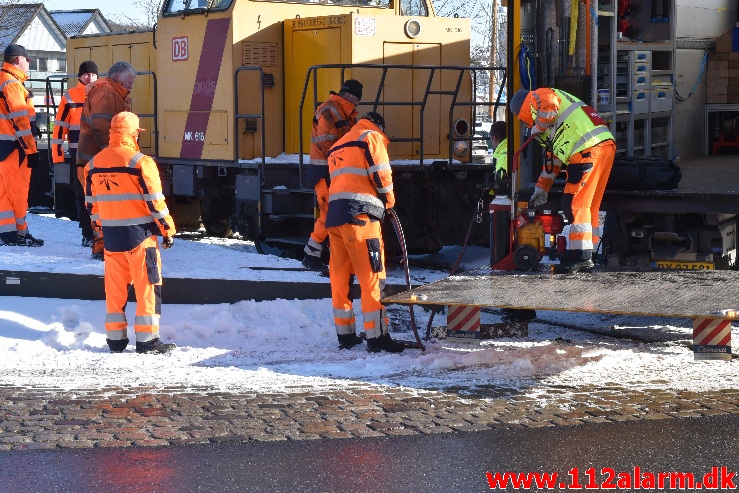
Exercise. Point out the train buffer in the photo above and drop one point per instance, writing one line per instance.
(709, 298)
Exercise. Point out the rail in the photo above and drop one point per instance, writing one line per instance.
(422, 104)
(62, 79)
(243, 116)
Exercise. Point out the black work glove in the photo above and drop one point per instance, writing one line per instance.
(33, 160)
(36, 131)
(167, 242)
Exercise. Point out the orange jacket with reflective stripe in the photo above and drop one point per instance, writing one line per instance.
(333, 119)
(361, 178)
(124, 195)
(16, 109)
(105, 98)
(67, 122)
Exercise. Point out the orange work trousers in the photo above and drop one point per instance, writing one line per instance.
(319, 234)
(357, 250)
(141, 266)
(587, 175)
(15, 181)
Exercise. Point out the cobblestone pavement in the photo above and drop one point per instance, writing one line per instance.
(117, 417)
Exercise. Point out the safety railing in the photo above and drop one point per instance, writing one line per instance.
(435, 73)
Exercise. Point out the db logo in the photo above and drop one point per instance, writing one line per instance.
(180, 51)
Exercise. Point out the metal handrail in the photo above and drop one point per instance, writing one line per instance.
(433, 70)
(62, 78)
(242, 116)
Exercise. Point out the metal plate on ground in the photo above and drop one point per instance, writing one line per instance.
(666, 293)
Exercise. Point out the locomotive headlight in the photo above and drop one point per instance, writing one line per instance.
(412, 28)
(460, 148)
(461, 127)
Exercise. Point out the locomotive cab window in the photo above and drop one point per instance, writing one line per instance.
(192, 6)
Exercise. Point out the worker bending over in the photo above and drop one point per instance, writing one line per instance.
(575, 135)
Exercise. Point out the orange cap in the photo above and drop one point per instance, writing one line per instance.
(125, 123)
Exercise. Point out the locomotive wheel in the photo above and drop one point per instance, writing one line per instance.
(526, 257)
(218, 228)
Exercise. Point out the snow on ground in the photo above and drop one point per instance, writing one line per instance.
(290, 345)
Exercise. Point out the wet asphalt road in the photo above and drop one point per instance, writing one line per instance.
(438, 463)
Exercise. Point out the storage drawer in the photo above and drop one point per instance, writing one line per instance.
(640, 102)
(662, 99)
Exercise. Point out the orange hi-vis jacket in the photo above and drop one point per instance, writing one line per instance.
(16, 110)
(67, 122)
(361, 178)
(124, 195)
(333, 119)
(105, 99)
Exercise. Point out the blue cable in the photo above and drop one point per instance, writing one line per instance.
(700, 75)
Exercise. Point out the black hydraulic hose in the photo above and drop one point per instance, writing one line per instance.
(401, 239)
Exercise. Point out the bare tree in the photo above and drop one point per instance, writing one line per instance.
(149, 8)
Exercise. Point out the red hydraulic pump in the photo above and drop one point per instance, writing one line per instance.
(521, 243)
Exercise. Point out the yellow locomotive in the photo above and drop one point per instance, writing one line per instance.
(228, 88)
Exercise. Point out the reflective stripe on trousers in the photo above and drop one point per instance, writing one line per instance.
(141, 266)
(350, 256)
(587, 176)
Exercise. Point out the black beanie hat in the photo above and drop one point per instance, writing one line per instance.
(375, 118)
(88, 67)
(14, 50)
(353, 87)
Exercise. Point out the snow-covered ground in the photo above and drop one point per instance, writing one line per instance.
(289, 345)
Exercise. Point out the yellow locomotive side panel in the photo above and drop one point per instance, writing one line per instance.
(369, 39)
(136, 48)
(199, 86)
(195, 98)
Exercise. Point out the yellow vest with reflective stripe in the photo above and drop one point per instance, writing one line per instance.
(574, 130)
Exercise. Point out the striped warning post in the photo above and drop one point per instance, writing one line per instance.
(463, 322)
(711, 338)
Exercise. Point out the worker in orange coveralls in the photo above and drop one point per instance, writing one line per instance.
(18, 152)
(105, 98)
(124, 196)
(577, 136)
(67, 126)
(361, 189)
(332, 120)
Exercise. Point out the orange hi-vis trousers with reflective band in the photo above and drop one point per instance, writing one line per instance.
(587, 176)
(15, 181)
(351, 255)
(141, 266)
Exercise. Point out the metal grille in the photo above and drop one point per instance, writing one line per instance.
(259, 54)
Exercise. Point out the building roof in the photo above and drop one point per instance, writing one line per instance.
(14, 19)
(73, 22)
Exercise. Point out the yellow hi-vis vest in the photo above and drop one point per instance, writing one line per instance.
(576, 127)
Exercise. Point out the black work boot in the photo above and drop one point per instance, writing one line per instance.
(154, 346)
(348, 341)
(574, 261)
(117, 346)
(384, 343)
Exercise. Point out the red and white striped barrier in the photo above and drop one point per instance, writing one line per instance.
(711, 338)
(463, 322)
